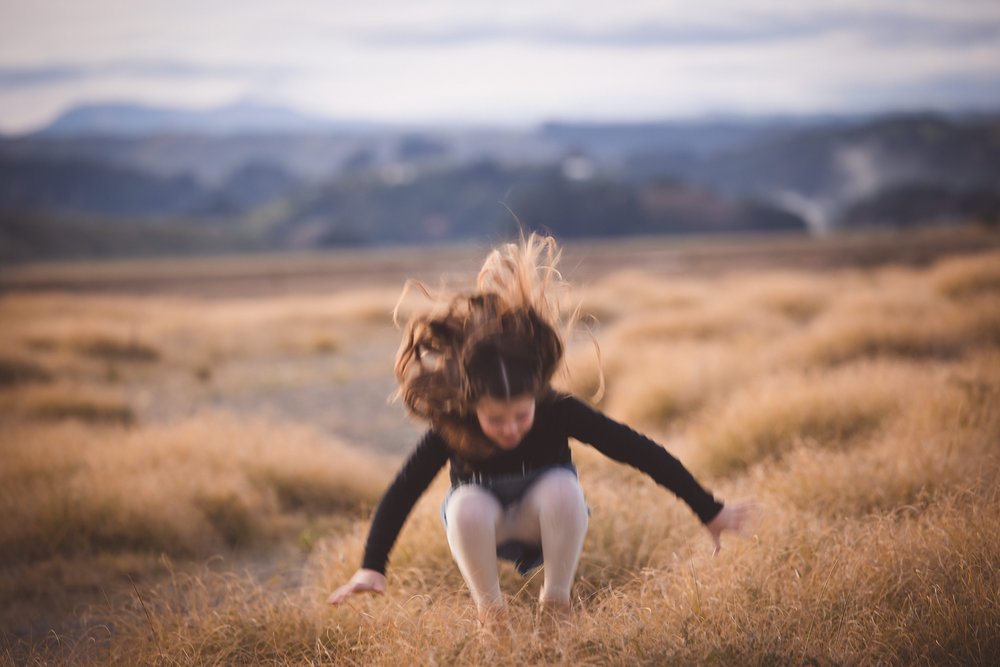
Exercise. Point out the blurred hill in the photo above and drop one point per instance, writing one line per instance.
(863, 174)
(258, 177)
(140, 120)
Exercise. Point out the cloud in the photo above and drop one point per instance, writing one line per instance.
(43, 75)
(26, 77)
(639, 35)
(518, 60)
(881, 27)
(892, 29)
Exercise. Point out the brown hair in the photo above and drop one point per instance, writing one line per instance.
(503, 340)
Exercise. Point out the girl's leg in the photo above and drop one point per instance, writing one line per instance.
(554, 513)
(472, 514)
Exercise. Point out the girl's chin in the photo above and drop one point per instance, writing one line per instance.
(507, 444)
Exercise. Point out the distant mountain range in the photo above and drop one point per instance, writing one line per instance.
(131, 120)
(259, 177)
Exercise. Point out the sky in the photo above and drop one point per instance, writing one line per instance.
(512, 63)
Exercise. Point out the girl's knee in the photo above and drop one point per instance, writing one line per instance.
(559, 492)
(471, 507)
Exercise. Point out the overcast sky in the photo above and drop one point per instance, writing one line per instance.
(444, 61)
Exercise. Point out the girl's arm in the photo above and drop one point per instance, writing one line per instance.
(397, 503)
(621, 443)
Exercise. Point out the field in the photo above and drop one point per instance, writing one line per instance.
(191, 451)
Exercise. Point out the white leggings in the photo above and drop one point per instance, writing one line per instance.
(551, 513)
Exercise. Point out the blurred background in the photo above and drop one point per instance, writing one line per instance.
(174, 128)
(780, 222)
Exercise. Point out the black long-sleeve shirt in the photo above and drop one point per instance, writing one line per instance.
(557, 419)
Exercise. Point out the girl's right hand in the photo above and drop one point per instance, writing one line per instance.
(732, 517)
(363, 581)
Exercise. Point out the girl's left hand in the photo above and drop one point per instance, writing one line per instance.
(732, 517)
(363, 581)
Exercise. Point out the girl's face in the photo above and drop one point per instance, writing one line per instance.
(506, 422)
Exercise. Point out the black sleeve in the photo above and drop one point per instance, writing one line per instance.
(619, 442)
(410, 483)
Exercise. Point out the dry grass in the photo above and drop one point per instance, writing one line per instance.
(662, 382)
(904, 321)
(130, 329)
(799, 297)
(21, 370)
(631, 291)
(780, 412)
(706, 323)
(64, 401)
(860, 408)
(968, 277)
(188, 488)
(913, 588)
(116, 349)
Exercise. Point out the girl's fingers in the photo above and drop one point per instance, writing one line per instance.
(353, 588)
(342, 593)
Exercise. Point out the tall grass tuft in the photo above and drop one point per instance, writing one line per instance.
(967, 277)
(780, 412)
(663, 382)
(906, 324)
(799, 297)
(189, 488)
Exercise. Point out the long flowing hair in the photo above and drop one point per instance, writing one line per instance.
(504, 339)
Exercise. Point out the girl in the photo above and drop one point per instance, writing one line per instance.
(479, 374)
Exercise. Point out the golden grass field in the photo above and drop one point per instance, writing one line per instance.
(190, 455)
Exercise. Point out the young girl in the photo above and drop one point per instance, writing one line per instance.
(479, 374)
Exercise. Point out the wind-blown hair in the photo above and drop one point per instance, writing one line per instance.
(504, 340)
